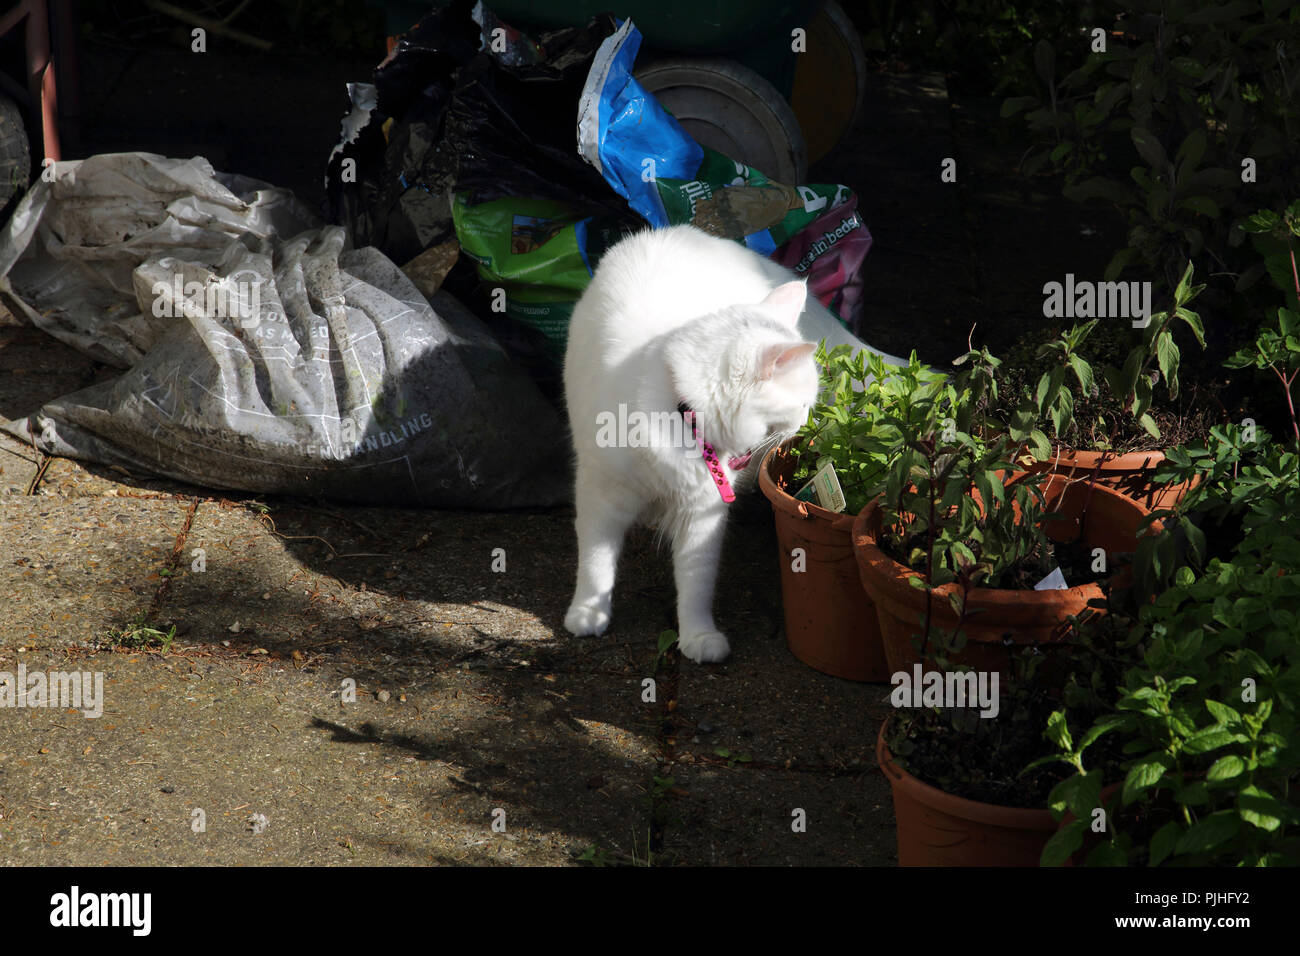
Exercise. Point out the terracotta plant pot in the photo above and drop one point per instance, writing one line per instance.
(1129, 474)
(830, 623)
(995, 616)
(938, 829)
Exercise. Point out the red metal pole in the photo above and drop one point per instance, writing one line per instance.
(40, 77)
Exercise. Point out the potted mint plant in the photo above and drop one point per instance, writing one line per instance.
(958, 547)
(1119, 396)
(830, 622)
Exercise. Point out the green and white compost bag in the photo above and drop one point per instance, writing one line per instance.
(259, 354)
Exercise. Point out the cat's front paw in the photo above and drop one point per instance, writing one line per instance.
(586, 619)
(706, 647)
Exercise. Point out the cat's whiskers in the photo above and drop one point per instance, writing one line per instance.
(767, 444)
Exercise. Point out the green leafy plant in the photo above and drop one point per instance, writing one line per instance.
(138, 634)
(1275, 236)
(731, 758)
(1159, 123)
(1242, 473)
(1207, 719)
(984, 46)
(851, 422)
(1008, 760)
(944, 446)
(1207, 712)
(667, 641)
(1279, 352)
(1113, 394)
(922, 443)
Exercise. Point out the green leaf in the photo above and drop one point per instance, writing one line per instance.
(962, 556)
(1103, 726)
(1163, 842)
(1058, 731)
(1195, 538)
(1226, 768)
(1149, 148)
(1209, 832)
(1039, 445)
(1083, 372)
(1223, 713)
(1063, 844)
(1207, 739)
(1288, 321)
(1262, 810)
(1263, 221)
(1128, 377)
(1193, 321)
(1143, 775)
(1149, 423)
(1192, 150)
(1183, 290)
(1167, 355)
(1079, 794)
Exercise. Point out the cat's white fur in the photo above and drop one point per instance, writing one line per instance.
(676, 315)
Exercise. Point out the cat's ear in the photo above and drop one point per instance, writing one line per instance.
(786, 301)
(776, 360)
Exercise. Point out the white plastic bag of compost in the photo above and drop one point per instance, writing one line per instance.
(258, 353)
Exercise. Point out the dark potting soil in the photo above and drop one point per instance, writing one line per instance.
(984, 765)
(967, 756)
(1101, 424)
(1073, 558)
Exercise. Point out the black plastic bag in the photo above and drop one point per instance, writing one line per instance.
(489, 122)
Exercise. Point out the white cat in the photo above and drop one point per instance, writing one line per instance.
(675, 318)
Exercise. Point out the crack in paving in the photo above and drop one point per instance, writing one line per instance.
(40, 473)
(173, 561)
(667, 670)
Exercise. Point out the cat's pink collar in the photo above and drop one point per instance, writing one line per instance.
(716, 471)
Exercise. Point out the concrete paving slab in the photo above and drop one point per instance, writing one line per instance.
(36, 368)
(70, 569)
(65, 478)
(284, 772)
(763, 702)
(741, 816)
(19, 464)
(429, 577)
(777, 711)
